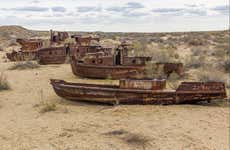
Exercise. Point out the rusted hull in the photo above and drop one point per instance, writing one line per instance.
(103, 72)
(21, 56)
(115, 95)
(54, 60)
(198, 91)
(52, 55)
(169, 68)
(111, 94)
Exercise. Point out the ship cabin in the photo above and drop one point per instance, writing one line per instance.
(118, 58)
(30, 44)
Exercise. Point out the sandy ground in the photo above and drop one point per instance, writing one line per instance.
(84, 126)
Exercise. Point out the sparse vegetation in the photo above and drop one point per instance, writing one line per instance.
(211, 75)
(174, 81)
(196, 42)
(24, 65)
(47, 107)
(226, 66)
(136, 140)
(4, 85)
(195, 62)
(154, 71)
(116, 132)
(130, 138)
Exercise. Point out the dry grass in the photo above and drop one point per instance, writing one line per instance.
(195, 62)
(137, 140)
(174, 81)
(132, 139)
(4, 85)
(196, 42)
(116, 132)
(152, 71)
(226, 65)
(211, 75)
(47, 107)
(24, 65)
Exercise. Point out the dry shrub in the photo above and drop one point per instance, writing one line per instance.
(136, 140)
(116, 132)
(212, 75)
(24, 65)
(195, 62)
(220, 53)
(196, 42)
(174, 80)
(226, 66)
(138, 48)
(158, 52)
(4, 85)
(197, 51)
(47, 107)
(154, 71)
(133, 139)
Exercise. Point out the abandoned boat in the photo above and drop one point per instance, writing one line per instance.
(57, 52)
(136, 91)
(32, 49)
(119, 65)
(28, 50)
(103, 64)
(103, 68)
(53, 55)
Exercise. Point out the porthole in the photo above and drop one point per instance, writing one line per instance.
(93, 61)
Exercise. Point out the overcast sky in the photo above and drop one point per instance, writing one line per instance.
(117, 15)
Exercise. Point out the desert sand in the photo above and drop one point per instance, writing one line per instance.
(33, 117)
(85, 126)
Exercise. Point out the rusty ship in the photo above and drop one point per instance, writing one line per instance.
(140, 91)
(105, 64)
(58, 50)
(28, 50)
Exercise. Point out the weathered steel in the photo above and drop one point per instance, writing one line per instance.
(30, 44)
(84, 41)
(53, 55)
(28, 50)
(104, 64)
(200, 91)
(57, 37)
(22, 55)
(146, 84)
(96, 70)
(169, 68)
(79, 51)
(112, 94)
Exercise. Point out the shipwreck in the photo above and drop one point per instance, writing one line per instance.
(115, 65)
(140, 91)
(28, 50)
(58, 53)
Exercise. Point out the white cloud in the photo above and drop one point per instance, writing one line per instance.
(119, 15)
